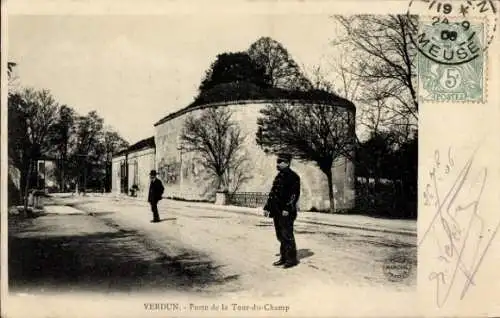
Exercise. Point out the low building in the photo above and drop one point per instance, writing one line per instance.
(43, 177)
(131, 167)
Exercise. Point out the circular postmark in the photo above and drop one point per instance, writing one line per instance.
(451, 32)
(397, 267)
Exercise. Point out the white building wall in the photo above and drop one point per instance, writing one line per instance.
(140, 163)
(115, 174)
(185, 179)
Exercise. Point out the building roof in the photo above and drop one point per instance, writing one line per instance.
(140, 145)
(244, 93)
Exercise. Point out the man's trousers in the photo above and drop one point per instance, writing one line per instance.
(154, 209)
(284, 233)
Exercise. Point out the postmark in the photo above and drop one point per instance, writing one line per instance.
(452, 38)
(450, 15)
(397, 267)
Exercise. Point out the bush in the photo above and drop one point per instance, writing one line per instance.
(240, 91)
(133, 190)
(385, 200)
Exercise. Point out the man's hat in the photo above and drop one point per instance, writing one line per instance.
(285, 156)
(152, 173)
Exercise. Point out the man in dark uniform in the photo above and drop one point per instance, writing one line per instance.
(155, 194)
(282, 207)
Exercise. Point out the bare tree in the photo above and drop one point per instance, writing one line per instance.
(315, 133)
(280, 68)
(382, 131)
(335, 77)
(218, 142)
(374, 114)
(237, 173)
(383, 61)
(338, 82)
(317, 76)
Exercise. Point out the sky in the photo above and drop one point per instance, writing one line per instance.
(134, 70)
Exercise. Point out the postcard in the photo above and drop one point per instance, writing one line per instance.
(314, 158)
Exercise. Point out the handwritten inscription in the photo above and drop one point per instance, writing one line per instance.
(460, 232)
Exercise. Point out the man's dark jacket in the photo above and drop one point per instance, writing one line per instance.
(284, 194)
(155, 191)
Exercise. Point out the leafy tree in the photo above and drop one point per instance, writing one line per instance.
(383, 155)
(405, 170)
(218, 142)
(373, 156)
(18, 141)
(32, 115)
(39, 126)
(316, 133)
(280, 69)
(60, 139)
(110, 143)
(85, 149)
(234, 67)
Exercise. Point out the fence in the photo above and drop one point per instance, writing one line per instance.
(248, 199)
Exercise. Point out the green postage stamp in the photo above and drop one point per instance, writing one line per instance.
(452, 63)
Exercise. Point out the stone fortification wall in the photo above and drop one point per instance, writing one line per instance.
(184, 178)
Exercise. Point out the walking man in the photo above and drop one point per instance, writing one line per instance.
(282, 207)
(155, 194)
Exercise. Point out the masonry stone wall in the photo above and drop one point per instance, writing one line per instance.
(115, 173)
(184, 178)
(139, 163)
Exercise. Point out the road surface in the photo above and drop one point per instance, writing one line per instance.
(101, 244)
(197, 257)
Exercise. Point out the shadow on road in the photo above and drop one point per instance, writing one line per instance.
(163, 220)
(43, 257)
(168, 219)
(304, 253)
